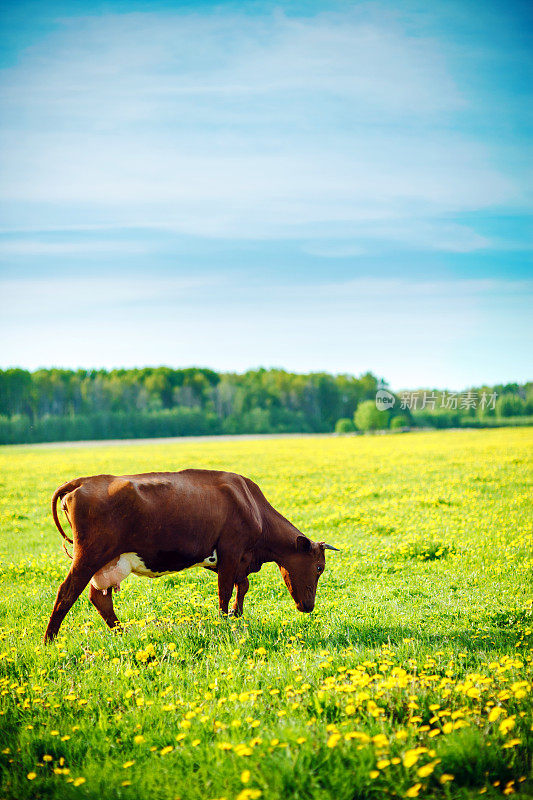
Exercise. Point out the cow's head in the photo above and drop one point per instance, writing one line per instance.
(301, 569)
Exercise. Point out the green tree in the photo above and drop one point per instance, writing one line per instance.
(344, 425)
(399, 421)
(510, 405)
(368, 418)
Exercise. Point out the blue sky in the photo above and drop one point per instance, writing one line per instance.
(318, 186)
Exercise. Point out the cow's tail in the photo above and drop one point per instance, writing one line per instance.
(59, 494)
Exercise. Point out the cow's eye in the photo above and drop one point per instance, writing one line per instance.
(319, 568)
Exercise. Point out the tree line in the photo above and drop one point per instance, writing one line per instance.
(61, 404)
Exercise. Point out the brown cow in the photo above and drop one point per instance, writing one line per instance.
(163, 522)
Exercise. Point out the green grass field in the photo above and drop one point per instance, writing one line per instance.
(411, 678)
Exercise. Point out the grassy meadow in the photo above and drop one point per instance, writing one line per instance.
(411, 678)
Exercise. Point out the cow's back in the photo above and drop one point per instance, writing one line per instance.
(183, 511)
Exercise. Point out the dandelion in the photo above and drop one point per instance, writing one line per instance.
(245, 776)
(78, 781)
(506, 725)
(413, 791)
(410, 758)
(31, 776)
(495, 713)
(249, 794)
(512, 743)
(128, 764)
(446, 778)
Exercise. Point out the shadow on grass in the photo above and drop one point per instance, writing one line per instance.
(358, 636)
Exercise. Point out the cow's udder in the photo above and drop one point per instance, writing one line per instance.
(112, 574)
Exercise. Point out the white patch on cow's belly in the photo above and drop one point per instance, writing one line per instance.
(210, 561)
(118, 570)
(138, 567)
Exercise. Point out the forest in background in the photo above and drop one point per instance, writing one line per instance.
(61, 405)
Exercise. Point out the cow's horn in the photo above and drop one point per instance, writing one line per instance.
(329, 547)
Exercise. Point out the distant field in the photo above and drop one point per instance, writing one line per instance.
(411, 678)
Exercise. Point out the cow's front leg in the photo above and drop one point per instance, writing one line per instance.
(227, 571)
(242, 587)
(104, 605)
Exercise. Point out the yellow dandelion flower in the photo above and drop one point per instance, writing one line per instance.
(413, 791)
(512, 743)
(245, 775)
(31, 776)
(410, 758)
(128, 764)
(446, 777)
(78, 781)
(249, 794)
(506, 725)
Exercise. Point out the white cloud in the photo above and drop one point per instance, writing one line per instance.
(414, 332)
(46, 297)
(33, 247)
(224, 125)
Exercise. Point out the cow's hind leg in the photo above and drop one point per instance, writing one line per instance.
(104, 605)
(68, 593)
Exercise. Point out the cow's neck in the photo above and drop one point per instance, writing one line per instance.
(278, 540)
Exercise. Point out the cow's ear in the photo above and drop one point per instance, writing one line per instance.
(303, 544)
